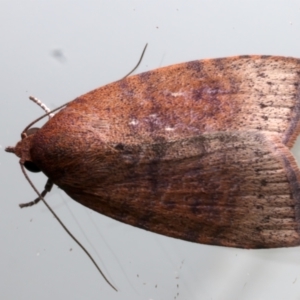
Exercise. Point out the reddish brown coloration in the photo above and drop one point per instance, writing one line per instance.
(197, 151)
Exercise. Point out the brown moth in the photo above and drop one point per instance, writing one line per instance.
(198, 151)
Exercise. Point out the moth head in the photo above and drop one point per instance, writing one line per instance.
(22, 150)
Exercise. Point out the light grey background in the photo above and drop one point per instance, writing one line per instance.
(58, 50)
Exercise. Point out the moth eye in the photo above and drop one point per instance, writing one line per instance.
(32, 130)
(32, 167)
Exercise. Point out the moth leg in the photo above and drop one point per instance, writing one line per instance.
(41, 105)
(47, 189)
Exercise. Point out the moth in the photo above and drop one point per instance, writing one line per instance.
(198, 151)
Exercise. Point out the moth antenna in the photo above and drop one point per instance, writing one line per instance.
(42, 105)
(63, 225)
(142, 55)
(43, 116)
(49, 113)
